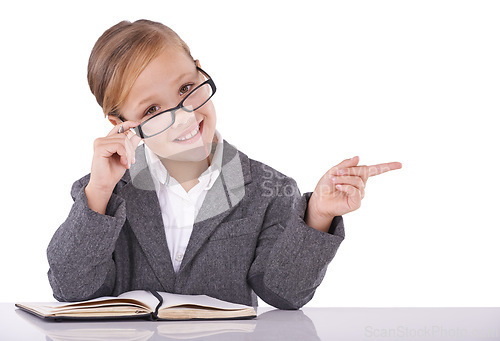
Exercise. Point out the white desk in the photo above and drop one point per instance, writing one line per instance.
(306, 324)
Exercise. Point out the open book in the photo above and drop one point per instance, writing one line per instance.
(142, 304)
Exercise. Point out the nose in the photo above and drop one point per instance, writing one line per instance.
(183, 119)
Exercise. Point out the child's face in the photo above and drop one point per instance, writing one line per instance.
(162, 85)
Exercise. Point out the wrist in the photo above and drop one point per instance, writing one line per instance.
(315, 219)
(95, 188)
(97, 199)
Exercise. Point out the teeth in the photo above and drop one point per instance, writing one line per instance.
(191, 134)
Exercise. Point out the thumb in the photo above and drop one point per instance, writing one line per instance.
(347, 163)
(344, 164)
(133, 138)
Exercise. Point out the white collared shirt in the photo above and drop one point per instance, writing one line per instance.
(178, 207)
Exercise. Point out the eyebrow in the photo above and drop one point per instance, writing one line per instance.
(149, 98)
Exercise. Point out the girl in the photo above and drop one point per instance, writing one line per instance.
(187, 212)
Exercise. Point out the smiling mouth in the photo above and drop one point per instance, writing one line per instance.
(191, 134)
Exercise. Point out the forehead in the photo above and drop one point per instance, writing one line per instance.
(161, 74)
(166, 67)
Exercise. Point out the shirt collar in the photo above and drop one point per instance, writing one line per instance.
(160, 173)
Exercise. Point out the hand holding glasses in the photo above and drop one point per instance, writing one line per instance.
(114, 153)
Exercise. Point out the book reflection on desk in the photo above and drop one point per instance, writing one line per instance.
(195, 330)
(95, 334)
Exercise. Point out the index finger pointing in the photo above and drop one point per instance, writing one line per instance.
(383, 167)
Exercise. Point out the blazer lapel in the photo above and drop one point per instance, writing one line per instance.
(145, 219)
(227, 191)
(144, 211)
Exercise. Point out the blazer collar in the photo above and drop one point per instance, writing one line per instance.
(144, 211)
(143, 180)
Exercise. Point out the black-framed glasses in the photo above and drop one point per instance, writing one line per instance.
(163, 120)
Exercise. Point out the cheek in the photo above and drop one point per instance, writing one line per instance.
(208, 132)
(159, 145)
(210, 118)
(209, 110)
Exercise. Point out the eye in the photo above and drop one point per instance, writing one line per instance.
(152, 110)
(185, 88)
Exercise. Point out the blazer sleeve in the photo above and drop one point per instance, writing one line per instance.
(291, 257)
(80, 251)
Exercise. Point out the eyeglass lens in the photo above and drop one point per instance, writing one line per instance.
(193, 101)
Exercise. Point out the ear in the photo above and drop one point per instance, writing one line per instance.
(114, 120)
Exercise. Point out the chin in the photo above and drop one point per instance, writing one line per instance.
(196, 152)
(193, 154)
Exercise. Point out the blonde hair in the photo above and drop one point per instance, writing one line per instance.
(121, 53)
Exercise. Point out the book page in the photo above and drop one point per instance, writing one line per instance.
(68, 306)
(63, 305)
(138, 298)
(146, 297)
(172, 300)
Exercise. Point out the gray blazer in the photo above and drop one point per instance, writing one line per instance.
(248, 238)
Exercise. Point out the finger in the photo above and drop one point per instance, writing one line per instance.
(360, 171)
(114, 147)
(130, 152)
(135, 139)
(351, 191)
(126, 126)
(130, 134)
(126, 142)
(355, 181)
(383, 167)
(346, 163)
(367, 171)
(130, 139)
(132, 146)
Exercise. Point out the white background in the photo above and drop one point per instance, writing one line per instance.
(301, 87)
